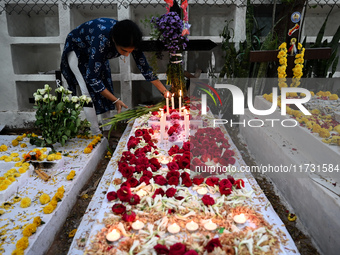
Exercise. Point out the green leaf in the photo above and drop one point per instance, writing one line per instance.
(59, 107)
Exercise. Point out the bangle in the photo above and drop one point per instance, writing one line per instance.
(116, 100)
(164, 92)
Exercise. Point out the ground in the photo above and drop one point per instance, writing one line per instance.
(63, 241)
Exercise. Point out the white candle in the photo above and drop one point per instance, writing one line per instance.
(240, 219)
(114, 235)
(137, 225)
(210, 225)
(174, 228)
(191, 226)
(202, 191)
(186, 124)
(162, 125)
(180, 102)
(173, 101)
(167, 103)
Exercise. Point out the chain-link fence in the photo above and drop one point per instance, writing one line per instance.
(46, 6)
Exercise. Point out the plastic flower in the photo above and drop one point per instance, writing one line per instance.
(44, 199)
(25, 202)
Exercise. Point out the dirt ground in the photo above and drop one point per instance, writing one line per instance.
(63, 241)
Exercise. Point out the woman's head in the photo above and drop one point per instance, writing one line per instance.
(127, 35)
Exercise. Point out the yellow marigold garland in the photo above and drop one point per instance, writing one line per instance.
(297, 70)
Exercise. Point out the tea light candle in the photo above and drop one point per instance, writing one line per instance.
(210, 225)
(113, 236)
(164, 160)
(174, 228)
(137, 225)
(240, 219)
(191, 226)
(202, 191)
(141, 193)
(167, 103)
(173, 101)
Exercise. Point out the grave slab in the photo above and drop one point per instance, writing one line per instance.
(315, 205)
(15, 217)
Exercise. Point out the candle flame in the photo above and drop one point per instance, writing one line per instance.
(180, 93)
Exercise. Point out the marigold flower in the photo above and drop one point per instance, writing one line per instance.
(71, 175)
(22, 170)
(37, 221)
(15, 142)
(22, 243)
(324, 133)
(316, 128)
(50, 157)
(3, 187)
(18, 252)
(87, 150)
(25, 202)
(3, 147)
(333, 97)
(48, 209)
(44, 199)
(29, 230)
(57, 157)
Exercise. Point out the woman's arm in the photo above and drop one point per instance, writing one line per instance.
(159, 85)
(119, 104)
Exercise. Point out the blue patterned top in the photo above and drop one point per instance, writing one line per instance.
(94, 47)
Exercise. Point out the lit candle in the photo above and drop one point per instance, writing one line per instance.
(173, 101)
(202, 191)
(164, 160)
(186, 123)
(210, 225)
(174, 228)
(240, 219)
(191, 226)
(180, 102)
(137, 225)
(167, 103)
(114, 235)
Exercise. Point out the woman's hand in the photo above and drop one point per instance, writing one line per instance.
(119, 105)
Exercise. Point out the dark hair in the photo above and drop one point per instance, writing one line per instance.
(126, 33)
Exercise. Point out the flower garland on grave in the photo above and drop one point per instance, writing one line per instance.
(297, 70)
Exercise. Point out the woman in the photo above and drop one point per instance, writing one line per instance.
(85, 61)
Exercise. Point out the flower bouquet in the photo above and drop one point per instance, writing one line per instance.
(172, 32)
(57, 116)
